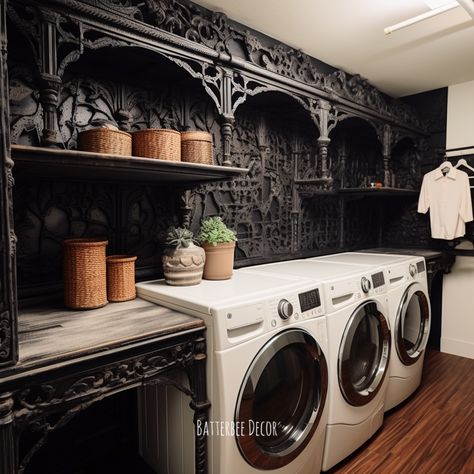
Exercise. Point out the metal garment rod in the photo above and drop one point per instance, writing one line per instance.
(460, 148)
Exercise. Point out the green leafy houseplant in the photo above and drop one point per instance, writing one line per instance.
(219, 243)
(213, 231)
(179, 237)
(183, 261)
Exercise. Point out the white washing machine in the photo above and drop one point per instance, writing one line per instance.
(410, 317)
(359, 349)
(267, 374)
(362, 258)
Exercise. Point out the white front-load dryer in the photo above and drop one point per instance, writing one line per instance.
(359, 349)
(409, 316)
(364, 259)
(266, 370)
(410, 320)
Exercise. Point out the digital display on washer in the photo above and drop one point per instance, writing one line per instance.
(420, 266)
(309, 300)
(378, 279)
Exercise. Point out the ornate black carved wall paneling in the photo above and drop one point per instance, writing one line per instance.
(264, 207)
(132, 217)
(8, 303)
(402, 225)
(82, 69)
(355, 154)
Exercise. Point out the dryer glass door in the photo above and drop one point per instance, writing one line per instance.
(412, 325)
(281, 399)
(363, 354)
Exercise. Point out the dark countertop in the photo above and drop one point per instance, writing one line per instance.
(427, 253)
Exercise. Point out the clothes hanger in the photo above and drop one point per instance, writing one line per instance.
(463, 162)
(446, 166)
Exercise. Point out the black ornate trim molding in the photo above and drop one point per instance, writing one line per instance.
(188, 33)
(8, 309)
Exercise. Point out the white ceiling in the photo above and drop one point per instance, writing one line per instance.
(348, 34)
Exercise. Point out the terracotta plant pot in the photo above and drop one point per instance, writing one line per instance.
(184, 266)
(219, 261)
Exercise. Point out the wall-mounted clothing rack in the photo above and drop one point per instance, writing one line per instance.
(459, 151)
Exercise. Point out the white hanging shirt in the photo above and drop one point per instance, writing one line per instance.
(448, 197)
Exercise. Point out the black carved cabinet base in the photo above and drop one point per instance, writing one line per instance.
(40, 404)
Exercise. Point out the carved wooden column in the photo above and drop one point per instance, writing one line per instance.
(387, 153)
(50, 80)
(200, 404)
(227, 116)
(122, 115)
(343, 160)
(8, 463)
(342, 201)
(186, 201)
(323, 141)
(296, 199)
(8, 303)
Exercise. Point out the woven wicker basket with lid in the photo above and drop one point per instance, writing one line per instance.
(196, 147)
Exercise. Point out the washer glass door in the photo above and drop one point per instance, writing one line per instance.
(412, 325)
(281, 399)
(363, 354)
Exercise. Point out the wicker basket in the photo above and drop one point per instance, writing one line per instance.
(85, 273)
(121, 278)
(105, 140)
(196, 147)
(157, 143)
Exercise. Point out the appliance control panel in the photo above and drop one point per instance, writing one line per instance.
(420, 266)
(310, 299)
(299, 306)
(378, 282)
(417, 270)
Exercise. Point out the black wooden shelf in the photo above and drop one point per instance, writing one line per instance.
(55, 163)
(382, 192)
(360, 192)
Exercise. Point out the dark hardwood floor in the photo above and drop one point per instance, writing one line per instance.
(432, 432)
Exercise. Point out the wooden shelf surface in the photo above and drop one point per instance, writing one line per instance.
(72, 164)
(51, 334)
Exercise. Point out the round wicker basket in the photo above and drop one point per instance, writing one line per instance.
(105, 140)
(161, 144)
(85, 273)
(196, 147)
(121, 278)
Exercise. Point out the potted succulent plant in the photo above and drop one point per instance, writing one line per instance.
(219, 243)
(183, 261)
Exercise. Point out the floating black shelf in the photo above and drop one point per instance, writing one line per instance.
(382, 192)
(360, 192)
(71, 164)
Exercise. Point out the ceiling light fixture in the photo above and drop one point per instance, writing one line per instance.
(424, 16)
(468, 5)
